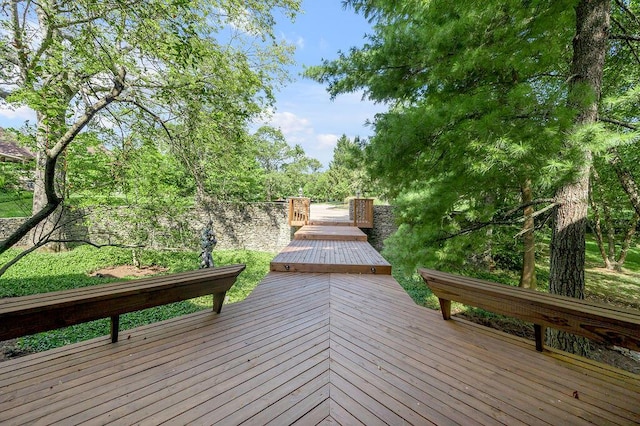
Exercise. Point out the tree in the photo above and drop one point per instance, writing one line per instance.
(611, 212)
(484, 97)
(566, 269)
(473, 118)
(142, 66)
(285, 169)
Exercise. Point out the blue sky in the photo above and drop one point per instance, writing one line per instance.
(304, 111)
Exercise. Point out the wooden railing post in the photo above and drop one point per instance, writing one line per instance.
(363, 212)
(299, 210)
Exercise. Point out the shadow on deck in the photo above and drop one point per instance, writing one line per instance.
(312, 348)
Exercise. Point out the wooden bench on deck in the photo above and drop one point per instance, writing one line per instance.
(20, 316)
(606, 324)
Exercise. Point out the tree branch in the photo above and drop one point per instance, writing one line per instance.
(53, 201)
(153, 115)
(618, 123)
(65, 140)
(503, 220)
(30, 223)
(628, 11)
(16, 259)
(626, 37)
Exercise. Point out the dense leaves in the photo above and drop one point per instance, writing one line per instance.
(185, 76)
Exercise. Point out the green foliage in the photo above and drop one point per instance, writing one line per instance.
(44, 272)
(15, 204)
(144, 96)
(478, 97)
(285, 169)
(347, 174)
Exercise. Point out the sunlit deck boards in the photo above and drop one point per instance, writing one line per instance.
(330, 249)
(352, 257)
(331, 232)
(308, 348)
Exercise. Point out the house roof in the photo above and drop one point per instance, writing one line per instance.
(11, 151)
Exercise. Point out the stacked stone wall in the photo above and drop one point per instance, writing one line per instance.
(384, 224)
(250, 226)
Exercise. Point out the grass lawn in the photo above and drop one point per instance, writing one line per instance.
(43, 272)
(14, 205)
(619, 288)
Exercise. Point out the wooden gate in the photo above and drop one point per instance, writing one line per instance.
(299, 211)
(363, 212)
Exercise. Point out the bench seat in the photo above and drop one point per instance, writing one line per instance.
(20, 316)
(602, 323)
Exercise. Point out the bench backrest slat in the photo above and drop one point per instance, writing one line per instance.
(603, 323)
(24, 315)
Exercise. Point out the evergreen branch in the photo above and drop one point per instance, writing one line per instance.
(627, 42)
(529, 204)
(628, 11)
(626, 37)
(618, 123)
(505, 220)
(626, 179)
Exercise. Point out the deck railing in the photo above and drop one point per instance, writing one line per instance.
(299, 211)
(362, 212)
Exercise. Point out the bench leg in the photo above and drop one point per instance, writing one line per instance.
(218, 300)
(540, 331)
(445, 307)
(115, 325)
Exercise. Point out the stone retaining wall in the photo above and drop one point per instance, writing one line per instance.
(8, 225)
(250, 226)
(384, 224)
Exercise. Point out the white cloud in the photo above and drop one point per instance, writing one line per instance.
(297, 40)
(323, 45)
(306, 116)
(295, 129)
(21, 113)
(327, 140)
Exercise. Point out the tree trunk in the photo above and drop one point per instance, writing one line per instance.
(597, 231)
(566, 274)
(528, 275)
(631, 231)
(51, 228)
(626, 180)
(597, 225)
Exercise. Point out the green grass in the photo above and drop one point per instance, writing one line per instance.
(16, 205)
(619, 288)
(44, 272)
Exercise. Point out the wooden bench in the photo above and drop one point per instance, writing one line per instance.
(20, 316)
(606, 324)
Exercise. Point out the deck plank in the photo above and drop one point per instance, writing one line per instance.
(329, 256)
(315, 348)
(335, 233)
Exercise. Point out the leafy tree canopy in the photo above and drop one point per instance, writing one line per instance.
(182, 73)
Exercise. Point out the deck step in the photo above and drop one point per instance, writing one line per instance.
(330, 256)
(335, 233)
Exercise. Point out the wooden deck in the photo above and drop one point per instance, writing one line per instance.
(330, 232)
(330, 249)
(314, 348)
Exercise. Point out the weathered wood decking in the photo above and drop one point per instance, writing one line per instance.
(330, 249)
(311, 348)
